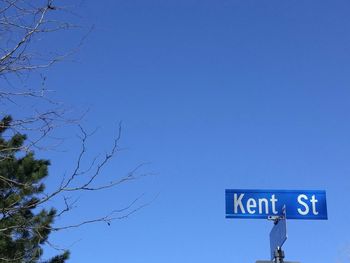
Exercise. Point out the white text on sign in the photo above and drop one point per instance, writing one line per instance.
(268, 206)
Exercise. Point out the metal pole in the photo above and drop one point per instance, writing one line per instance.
(279, 255)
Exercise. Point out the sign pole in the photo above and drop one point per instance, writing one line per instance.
(278, 236)
(279, 255)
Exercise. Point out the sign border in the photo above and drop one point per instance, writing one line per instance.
(269, 191)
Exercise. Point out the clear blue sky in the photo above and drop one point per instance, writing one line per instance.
(215, 95)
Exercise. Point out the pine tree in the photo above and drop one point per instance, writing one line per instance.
(24, 224)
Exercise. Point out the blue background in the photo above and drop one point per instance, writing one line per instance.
(225, 94)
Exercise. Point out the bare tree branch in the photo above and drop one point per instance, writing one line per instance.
(22, 24)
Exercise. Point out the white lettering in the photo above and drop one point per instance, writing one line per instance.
(265, 201)
(238, 203)
(313, 202)
(251, 203)
(262, 206)
(307, 209)
(273, 201)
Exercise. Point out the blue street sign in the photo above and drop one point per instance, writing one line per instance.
(301, 204)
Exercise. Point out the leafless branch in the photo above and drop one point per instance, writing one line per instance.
(66, 186)
(22, 24)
